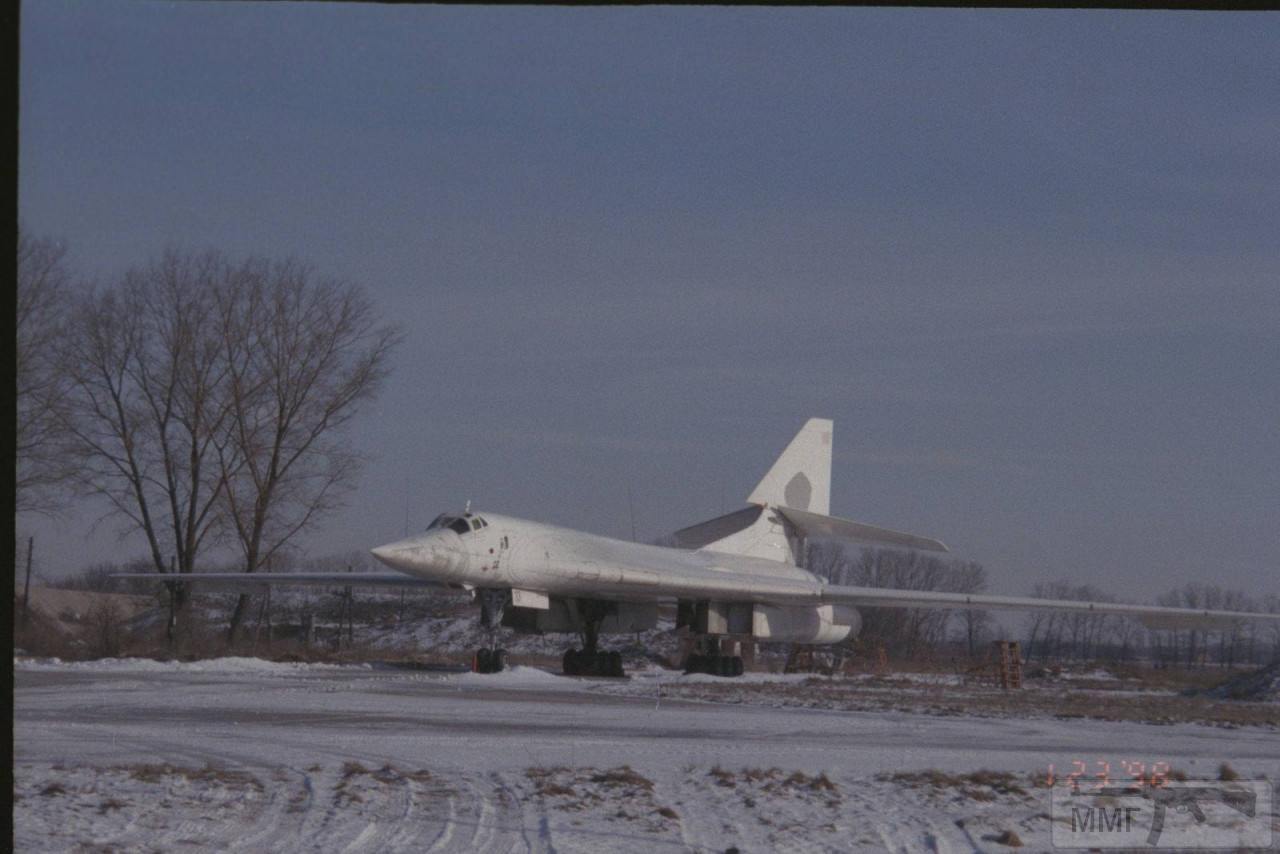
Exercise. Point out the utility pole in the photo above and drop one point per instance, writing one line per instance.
(26, 591)
(173, 593)
(349, 602)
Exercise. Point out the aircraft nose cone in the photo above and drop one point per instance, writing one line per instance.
(394, 555)
(426, 556)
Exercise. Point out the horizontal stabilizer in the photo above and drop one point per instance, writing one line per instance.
(713, 530)
(260, 580)
(818, 525)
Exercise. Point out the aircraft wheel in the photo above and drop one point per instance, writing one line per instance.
(480, 663)
(498, 661)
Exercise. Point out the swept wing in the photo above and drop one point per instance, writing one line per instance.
(262, 580)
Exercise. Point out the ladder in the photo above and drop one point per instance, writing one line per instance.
(1009, 662)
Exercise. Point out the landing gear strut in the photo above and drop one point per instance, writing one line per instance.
(591, 660)
(492, 604)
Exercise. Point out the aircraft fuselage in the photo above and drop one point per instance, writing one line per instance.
(506, 552)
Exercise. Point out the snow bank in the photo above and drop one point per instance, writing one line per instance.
(229, 664)
(658, 675)
(517, 675)
(1095, 675)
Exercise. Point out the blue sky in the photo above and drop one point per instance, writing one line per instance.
(1028, 261)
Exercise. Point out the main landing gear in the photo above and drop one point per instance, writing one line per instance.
(707, 656)
(591, 660)
(489, 661)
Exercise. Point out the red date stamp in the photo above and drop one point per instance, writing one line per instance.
(1101, 773)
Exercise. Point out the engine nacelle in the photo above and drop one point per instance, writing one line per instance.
(816, 624)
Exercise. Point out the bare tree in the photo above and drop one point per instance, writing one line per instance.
(1271, 634)
(95, 578)
(149, 400)
(211, 398)
(971, 577)
(1193, 641)
(301, 354)
(1127, 634)
(1063, 634)
(43, 289)
(98, 578)
(827, 559)
(905, 631)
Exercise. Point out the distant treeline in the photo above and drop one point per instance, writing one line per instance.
(1046, 636)
(1092, 637)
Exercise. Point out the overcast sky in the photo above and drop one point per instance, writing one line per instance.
(1028, 261)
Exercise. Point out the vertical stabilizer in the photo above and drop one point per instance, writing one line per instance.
(801, 478)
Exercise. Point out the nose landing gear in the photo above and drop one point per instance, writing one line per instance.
(492, 604)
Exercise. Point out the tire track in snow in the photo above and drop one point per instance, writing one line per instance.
(510, 797)
(271, 817)
(471, 810)
(405, 829)
(661, 797)
(486, 822)
(379, 797)
(443, 839)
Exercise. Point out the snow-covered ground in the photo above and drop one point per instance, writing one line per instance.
(228, 664)
(249, 755)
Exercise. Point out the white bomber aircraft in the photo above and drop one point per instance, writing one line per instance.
(735, 576)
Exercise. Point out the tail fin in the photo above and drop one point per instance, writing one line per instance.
(801, 478)
(792, 502)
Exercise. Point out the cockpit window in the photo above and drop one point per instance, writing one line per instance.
(458, 524)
